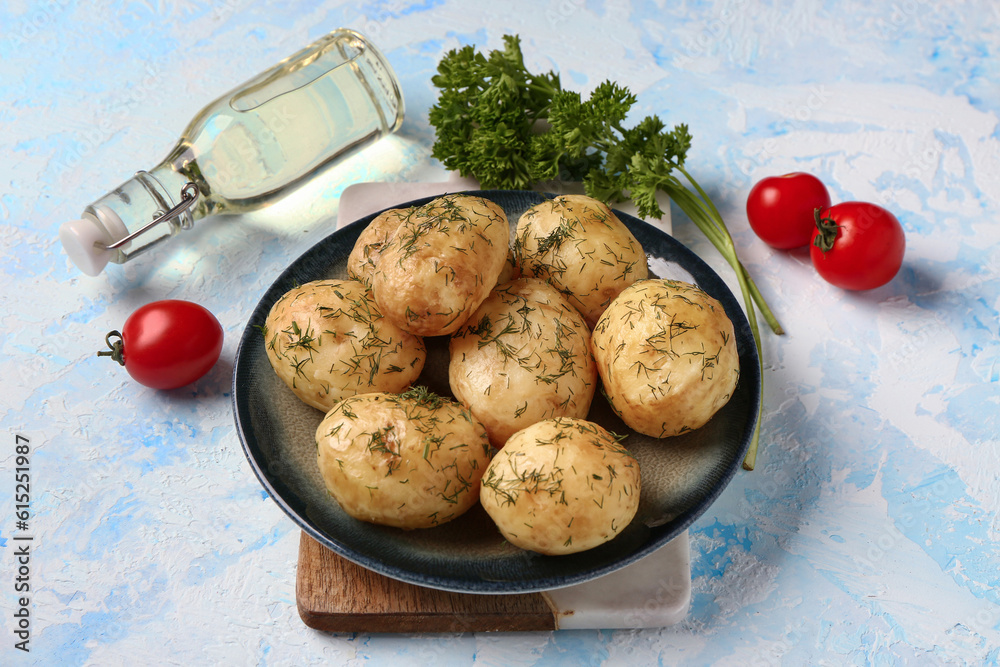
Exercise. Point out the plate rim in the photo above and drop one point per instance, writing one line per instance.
(483, 586)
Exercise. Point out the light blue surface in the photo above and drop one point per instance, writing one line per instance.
(867, 535)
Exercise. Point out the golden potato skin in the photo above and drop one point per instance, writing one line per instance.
(363, 260)
(441, 263)
(510, 271)
(666, 353)
(580, 246)
(328, 340)
(411, 460)
(561, 486)
(523, 356)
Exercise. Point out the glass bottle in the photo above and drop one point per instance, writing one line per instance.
(247, 149)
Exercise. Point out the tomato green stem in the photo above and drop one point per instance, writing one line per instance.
(117, 348)
(828, 230)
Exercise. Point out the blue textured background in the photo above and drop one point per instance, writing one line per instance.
(869, 532)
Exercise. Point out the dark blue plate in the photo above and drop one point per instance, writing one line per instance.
(681, 476)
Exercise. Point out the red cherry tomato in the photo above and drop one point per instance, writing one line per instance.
(857, 245)
(167, 344)
(780, 209)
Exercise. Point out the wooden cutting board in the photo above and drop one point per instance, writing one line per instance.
(335, 595)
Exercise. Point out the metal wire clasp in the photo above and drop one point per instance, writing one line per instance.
(189, 194)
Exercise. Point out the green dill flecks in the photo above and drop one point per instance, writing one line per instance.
(709, 362)
(423, 397)
(346, 411)
(384, 441)
(498, 338)
(300, 338)
(462, 485)
(440, 216)
(432, 443)
(298, 366)
(482, 329)
(509, 484)
(554, 239)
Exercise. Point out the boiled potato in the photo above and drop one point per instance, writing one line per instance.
(328, 340)
(666, 352)
(523, 356)
(411, 460)
(441, 263)
(561, 486)
(580, 246)
(363, 260)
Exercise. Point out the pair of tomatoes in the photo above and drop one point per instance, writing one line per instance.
(853, 245)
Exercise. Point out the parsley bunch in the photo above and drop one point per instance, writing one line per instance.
(510, 129)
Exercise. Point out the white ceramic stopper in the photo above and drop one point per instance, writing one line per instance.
(80, 239)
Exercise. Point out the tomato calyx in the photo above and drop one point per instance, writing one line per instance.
(828, 230)
(117, 351)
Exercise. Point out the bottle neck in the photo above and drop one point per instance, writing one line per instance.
(162, 193)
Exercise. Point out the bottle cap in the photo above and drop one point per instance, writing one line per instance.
(86, 240)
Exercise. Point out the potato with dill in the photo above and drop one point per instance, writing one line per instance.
(666, 353)
(523, 356)
(411, 460)
(440, 264)
(561, 486)
(363, 260)
(580, 246)
(327, 340)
